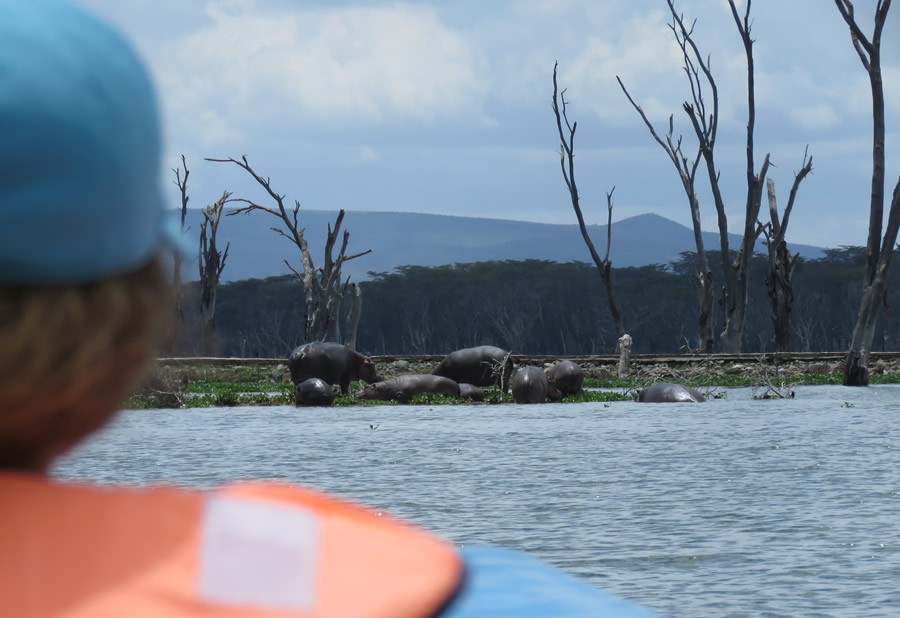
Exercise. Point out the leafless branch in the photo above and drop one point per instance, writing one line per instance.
(567, 164)
(805, 169)
(861, 44)
(705, 126)
(181, 183)
(282, 212)
(293, 270)
(224, 257)
(609, 209)
(321, 285)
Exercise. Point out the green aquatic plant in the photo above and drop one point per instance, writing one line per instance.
(815, 379)
(203, 386)
(735, 380)
(173, 390)
(609, 382)
(597, 396)
(882, 378)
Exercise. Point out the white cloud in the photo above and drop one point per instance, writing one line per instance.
(459, 91)
(349, 65)
(642, 51)
(890, 76)
(820, 116)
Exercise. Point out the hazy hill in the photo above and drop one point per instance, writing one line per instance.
(399, 239)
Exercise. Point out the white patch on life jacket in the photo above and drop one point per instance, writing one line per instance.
(259, 554)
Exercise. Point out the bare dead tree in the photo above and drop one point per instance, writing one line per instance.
(567, 164)
(418, 326)
(351, 313)
(736, 302)
(176, 322)
(781, 261)
(735, 291)
(211, 263)
(687, 172)
(512, 310)
(772, 391)
(324, 292)
(806, 323)
(878, 250)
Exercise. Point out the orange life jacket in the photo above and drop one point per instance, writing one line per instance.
(252, 550)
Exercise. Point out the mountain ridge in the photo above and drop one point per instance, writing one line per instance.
(401, 239)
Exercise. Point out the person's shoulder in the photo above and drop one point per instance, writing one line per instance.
(349, 559)
(503, 583)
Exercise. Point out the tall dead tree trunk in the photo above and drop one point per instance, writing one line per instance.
(781, 261)
(324, 292)
(353, 313)
(878, 250)
(211, 263)
(736, 305)
(735, 291)
(687, 172)
(177, 306)
(567, 163)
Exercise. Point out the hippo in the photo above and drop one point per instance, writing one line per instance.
(332, 362)
(669, 391)
(476, 366)
(313, 392)
(469, 391)
(567, 376)
(402, 388)
(532, 386)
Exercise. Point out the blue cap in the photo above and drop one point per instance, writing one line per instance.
(80, 149)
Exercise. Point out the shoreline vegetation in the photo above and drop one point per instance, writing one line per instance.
(224, 382)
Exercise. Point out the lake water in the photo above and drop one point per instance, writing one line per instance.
(733, 507)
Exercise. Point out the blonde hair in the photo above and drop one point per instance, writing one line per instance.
(69, 355)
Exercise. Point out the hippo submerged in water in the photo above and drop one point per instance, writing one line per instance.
(332, 362)
(313, 392)
(669, 391)
(403, 388)
(484, 365)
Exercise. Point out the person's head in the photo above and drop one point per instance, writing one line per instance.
(82, 294)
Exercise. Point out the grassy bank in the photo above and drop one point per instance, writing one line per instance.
(221, 392)
(191, 383)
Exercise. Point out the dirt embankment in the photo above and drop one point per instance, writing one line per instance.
(643, 366)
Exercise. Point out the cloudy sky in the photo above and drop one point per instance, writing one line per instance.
(444, 107)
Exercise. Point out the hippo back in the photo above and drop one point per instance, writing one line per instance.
(405, 387)
(469, 391)
(313, 392)
(477, 366)
(332, 362)
(662, 392)
(530, 385)
(567, 376)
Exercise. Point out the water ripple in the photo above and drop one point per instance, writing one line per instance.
(731, 508)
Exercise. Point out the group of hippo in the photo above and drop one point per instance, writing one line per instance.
(316, 367)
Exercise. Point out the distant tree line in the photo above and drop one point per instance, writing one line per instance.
(543, 307)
